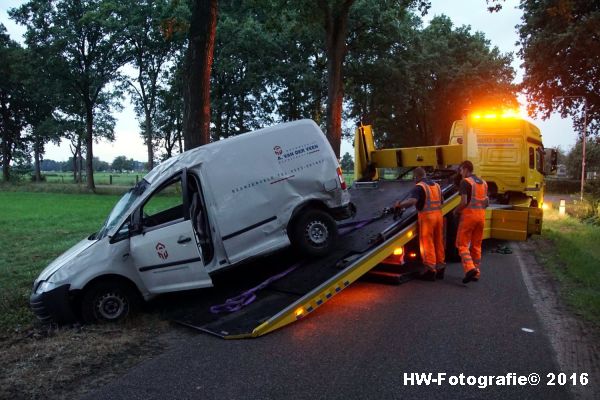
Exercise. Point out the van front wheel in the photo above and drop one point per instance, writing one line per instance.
(108, 302)
(314, 233)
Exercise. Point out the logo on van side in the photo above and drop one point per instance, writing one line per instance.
(161, 250)
(295, 152)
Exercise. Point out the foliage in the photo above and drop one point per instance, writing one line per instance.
(169, 113)
(122, 163)
(347, 163)
(84, 43)
(245, 59)
(13, 103)
(562, 186)
(414, 92)
(560, 48)
(592, 157)
(574, 256)
(151, 49)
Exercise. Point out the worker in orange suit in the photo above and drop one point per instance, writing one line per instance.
(474, 200)
(428, 199)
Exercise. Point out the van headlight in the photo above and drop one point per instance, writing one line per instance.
(44, 286)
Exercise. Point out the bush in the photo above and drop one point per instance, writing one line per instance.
(42, 177)
(563, 186)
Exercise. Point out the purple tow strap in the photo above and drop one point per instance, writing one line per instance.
(238, 302)
(242, 300)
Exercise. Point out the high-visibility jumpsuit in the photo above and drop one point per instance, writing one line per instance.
(470, 227)
(431, 224)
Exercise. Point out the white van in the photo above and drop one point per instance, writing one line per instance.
(204, 210)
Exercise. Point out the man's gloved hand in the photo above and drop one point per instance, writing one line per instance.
(398, 211)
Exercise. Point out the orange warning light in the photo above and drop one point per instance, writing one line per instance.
(410, 234)
(413, 255)
(398, 251)
(495, 114)
(299, 312)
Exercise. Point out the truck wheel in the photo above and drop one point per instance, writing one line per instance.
(108, 302)
(314, 233)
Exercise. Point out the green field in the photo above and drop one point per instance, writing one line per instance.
(36, 228)
(100, 178)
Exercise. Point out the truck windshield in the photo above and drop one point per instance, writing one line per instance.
(122, 207)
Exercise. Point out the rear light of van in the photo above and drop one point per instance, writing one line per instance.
(341, 177)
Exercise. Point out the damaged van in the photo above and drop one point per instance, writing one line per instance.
(204, 210)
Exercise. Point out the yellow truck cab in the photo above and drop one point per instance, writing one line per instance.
(508, 153)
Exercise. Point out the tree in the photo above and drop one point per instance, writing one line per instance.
(42, 94)
(560, 47)
(411, 82)
(13, 102)
(243, 75)
(86, 44)
(198, 65)
(169, 113)
(121, 163)
(347, 163)
(592, 157)
(335, 18)
(150, 48)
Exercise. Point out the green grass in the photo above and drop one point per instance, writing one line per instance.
(574, 259)
(100, 178)
(36, 228)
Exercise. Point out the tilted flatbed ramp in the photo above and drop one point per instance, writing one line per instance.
(314, 282)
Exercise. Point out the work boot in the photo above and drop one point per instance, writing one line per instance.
(470, 275)
(428, 275)
(439, 274)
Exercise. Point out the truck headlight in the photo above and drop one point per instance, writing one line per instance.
(44, 286)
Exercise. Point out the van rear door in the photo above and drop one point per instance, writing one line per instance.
(165, 250)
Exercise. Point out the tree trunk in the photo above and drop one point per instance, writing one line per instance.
(6, 141)
(198, 64)
(336, 27)
(5, 161)
(89, 154)
(6, 156)
(75, 167)
(37, 150)
(149, 141)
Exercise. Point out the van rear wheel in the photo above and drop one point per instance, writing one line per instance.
(108, 302)
(314, 233)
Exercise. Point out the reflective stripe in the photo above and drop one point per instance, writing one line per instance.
(433, 202)
(478, 194)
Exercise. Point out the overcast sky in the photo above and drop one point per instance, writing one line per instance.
(499, 28)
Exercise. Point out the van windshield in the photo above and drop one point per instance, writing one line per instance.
(122, 207)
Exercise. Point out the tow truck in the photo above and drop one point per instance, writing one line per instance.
(506, 150)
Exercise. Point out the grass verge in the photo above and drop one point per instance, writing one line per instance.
(36, 228)
(573, 257)
(49, 362)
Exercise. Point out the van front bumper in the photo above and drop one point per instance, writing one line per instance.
(53, 305)
(344, 212)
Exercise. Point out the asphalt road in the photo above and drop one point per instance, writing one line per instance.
(363, 341)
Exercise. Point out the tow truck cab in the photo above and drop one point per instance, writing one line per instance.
(510, 156)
